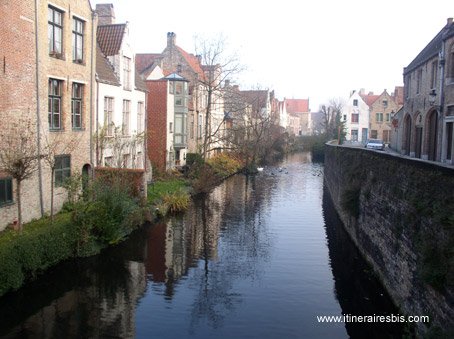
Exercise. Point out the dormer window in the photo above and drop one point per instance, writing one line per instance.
(355, 102)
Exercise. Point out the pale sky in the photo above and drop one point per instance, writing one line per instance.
(317, 49)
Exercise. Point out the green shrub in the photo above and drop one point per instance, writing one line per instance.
(176, 202)
(39, 246)
(158, 189)
(224, 165)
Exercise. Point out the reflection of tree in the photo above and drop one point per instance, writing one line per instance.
(359, 292)
(236, 208)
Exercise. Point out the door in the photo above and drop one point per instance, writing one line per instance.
(418, 142)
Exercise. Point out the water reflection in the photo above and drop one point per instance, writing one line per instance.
(251, 259)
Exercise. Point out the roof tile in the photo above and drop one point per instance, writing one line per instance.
(110, 37)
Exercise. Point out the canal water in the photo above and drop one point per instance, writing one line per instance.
(260, 257)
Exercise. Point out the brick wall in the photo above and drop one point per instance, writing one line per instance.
(403, 227)
(157, 123)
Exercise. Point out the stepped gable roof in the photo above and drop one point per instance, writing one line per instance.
(432, 48)
(145, 60)
(193, 62)
(297, 105)
(105, 70)
(110, 38)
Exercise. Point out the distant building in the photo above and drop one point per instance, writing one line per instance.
(355, 114)
(299, 116)
(382, 111)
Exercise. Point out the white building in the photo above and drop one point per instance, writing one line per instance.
(121, 97)
(355, 113)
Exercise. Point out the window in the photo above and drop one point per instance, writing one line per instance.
(373, 134)
(192, 127)
(170, 128)
(171, 87)
(76, 106)
(54, 31)
(108, 115)
(178, 88)
(78, 40)
(354, 134)
(6, 191)
(62, 169)
(126, 73)
(388, 117)
(54, 104)
(355, 102)
(179, 101)
(140, 117)
(345, 117)
(433, 75)
(385, 103)
(407, 86)
(199, 127)
(355, 117)
(451, 65)
(418, 81)
(379, 117)
(126, 117)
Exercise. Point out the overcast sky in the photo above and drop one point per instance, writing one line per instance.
(316, 49)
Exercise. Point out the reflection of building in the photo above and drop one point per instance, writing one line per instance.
(426, 127)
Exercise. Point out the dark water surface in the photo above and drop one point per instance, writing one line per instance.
(260, 257)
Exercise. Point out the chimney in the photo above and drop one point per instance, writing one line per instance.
(171, 39)
(106, 14)
(199, 57)
(227, 83)
(449, 21)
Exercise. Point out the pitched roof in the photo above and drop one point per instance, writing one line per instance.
(432, 48)
(145, 60)
(105, 70)
(256, 98)
(369, 99)
(110, 37)
(193, 62)
(297, 105)
(139, 83)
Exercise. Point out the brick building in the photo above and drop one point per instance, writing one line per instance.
(299, 115)
(47, 80)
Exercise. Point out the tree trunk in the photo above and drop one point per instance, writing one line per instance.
(19, 207)
(207, 124)
(52, 195)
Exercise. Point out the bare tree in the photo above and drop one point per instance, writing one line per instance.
(19, 155)
(218, 67)
(54, 145)
(332, 119)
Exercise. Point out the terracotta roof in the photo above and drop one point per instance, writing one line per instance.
(369, 99)
(105, 70)
(145, 60)
(110, 37)
(432, 48)
(193, 62)
(297, 105)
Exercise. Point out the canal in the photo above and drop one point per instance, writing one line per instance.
(260, 257)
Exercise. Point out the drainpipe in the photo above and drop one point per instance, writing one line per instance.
(96, 120)
(38, 112)
(93, 16)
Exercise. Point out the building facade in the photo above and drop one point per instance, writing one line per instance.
(382, 111)
(48, 81)
(355, 113)
(426, 126)
(120, 96)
